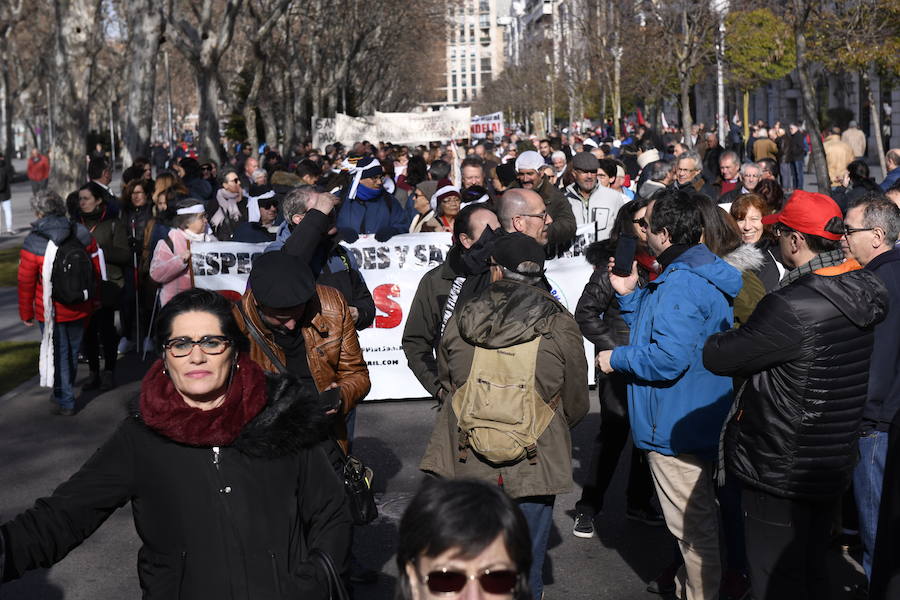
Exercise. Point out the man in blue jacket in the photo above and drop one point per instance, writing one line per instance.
(871, 229)
(677, 407)
(367, 207)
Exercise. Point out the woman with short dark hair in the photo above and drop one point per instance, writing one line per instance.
(229, 492)
(458, 533)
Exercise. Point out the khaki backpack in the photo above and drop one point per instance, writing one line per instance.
(499, 411)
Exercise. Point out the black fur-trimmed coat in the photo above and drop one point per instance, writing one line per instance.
(237, 523)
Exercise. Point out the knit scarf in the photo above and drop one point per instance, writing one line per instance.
(228, 207)
(165, 411)
(819, 261)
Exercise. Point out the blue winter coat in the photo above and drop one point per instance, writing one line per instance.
(675, 405)
(372, 216)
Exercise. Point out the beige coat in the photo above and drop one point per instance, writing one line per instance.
(838, 155)
(505, 314)
(856, 139)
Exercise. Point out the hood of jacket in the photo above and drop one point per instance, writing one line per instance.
(507, 313)
(746, 257)
(53, 227)
(703, 263)
(859, 295)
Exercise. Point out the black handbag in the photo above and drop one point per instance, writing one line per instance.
(357, 480)
(336, 588)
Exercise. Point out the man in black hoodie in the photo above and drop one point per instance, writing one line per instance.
(439, 290)
(792, 441)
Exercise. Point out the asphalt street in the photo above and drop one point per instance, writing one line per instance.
(38, 451)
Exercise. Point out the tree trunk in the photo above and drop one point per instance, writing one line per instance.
(146, 27)
(686, 120)
(746, 114)
(270, 126)
(810, 102)
(616, 87)
(287, 112)
(6, 113)
(208, 122)
(73, 63)
(250, 105)
(876, 121)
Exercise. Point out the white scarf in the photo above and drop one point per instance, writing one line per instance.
(253, 205)
(45, 364)
(227, 208)
(195, 237)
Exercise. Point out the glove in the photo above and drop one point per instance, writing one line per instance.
(348, 235)
(384, 234)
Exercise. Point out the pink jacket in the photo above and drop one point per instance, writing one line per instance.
(167, 268)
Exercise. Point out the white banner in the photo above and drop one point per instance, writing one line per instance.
(349, 130)
(323, 133)
(487, 126)
(424, 127)
(392, 271)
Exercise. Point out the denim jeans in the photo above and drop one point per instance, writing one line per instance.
(797, 168)
(538, 511)
(867, 482)
(67, 338)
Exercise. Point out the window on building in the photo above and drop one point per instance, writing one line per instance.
(453, 79)
(454, 95)
(484, 6)
(473, 79)
(484, 21)
(485, 64)
(465, 96)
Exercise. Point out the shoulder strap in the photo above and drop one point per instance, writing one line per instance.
(257, 336)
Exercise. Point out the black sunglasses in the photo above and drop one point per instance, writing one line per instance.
(451, 582)
(642, 222)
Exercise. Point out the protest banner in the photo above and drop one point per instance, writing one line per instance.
(392, 271)
(424, 127)
(349, 130)
(487, 126)
(323, 133)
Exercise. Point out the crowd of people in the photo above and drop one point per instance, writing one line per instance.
(741, 327)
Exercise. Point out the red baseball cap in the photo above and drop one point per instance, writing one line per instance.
(809, 213)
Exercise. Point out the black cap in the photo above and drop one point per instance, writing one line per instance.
(513, 249)
(506, 173)
(279, 280)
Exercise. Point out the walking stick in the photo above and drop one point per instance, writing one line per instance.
(152, 320)
(137, 291)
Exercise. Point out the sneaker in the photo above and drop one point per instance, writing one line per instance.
(107, 381)
(735, 585)
(62, 411)
(584, 525)
(647, 516)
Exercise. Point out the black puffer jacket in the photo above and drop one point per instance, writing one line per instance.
(230, 522)
(806, 349)
(597, 312)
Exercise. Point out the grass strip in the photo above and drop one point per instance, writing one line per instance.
(18, 363)
(9, 265)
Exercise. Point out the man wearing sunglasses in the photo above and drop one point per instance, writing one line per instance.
(794, 436)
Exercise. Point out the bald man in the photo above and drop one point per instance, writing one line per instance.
(524, 211)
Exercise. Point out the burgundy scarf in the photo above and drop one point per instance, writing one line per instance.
(165, 411)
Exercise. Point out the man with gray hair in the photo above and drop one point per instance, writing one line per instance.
(309, 233)
(62, 325)
(558, 161)
(749, 178)
(688, 175)
(871, 228)
(729, 169)
(660, 175)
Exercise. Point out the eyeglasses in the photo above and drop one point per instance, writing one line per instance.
(642, 222)
(452, 582)
(683, 170)
(542, 216)
(848, 231)
(209, 344)
(235, 180)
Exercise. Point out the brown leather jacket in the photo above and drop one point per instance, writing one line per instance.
(332, 348)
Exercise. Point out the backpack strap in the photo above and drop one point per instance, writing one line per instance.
(257, 336)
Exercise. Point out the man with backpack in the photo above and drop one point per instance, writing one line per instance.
(512, 368)
(60, 295)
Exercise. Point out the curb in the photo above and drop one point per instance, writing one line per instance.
(33, 382)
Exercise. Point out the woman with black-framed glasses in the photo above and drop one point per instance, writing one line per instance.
(229, 495)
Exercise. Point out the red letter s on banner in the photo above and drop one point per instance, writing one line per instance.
(382, 295)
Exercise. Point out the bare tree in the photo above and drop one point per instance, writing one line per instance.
(75, 38)
(146, 26)
(204, 45)
(10, 15)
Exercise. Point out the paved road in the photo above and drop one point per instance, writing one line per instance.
(39, 451)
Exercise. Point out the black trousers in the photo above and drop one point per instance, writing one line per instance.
(786, 545)
(101, 331)
(607, 447)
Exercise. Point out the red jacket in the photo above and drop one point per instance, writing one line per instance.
(31, 263)
(38, 170)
